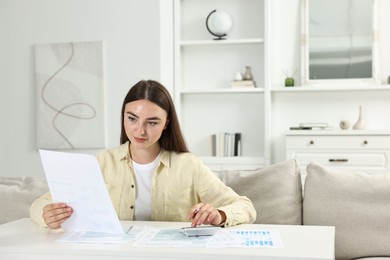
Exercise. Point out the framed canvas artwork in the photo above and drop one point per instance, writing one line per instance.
(69, 95)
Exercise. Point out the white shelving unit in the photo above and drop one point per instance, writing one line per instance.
(203, 70)
(198, 70)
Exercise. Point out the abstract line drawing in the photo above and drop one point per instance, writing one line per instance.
(69, 95)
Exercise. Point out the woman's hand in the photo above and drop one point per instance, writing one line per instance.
(205, 214)
(55, 214)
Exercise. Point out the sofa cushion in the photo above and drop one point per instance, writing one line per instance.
(357, 204)
(276, 191)
(17, 194)
(373, 258)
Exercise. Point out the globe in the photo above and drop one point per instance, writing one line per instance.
(219, 24)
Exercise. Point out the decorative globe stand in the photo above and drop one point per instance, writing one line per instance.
(222, 25)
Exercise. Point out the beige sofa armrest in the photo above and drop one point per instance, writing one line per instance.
(17, 194)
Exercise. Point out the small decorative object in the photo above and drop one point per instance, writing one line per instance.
(243, 81)
(248, 73)
(238, 76)
(219, 24)
(344, 124)
(289, 80)
(360, 123)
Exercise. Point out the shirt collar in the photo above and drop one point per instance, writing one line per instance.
(165, 158)
(124, 154)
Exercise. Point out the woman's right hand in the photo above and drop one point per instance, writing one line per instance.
(55, 214)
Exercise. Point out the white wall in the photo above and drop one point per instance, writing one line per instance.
(130, 30)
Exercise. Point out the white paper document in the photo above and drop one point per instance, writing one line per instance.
(244, 238)
(76, 180)
(132, 234)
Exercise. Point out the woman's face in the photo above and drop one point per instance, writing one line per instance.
(144, 123)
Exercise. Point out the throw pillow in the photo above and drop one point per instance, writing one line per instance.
(356, 203)
(276, 191)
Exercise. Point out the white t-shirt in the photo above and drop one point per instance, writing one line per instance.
(143, 182)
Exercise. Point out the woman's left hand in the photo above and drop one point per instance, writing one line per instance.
(205, 214)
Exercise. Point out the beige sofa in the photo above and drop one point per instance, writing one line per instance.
(355, 203)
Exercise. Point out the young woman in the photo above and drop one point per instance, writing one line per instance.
(152, 175)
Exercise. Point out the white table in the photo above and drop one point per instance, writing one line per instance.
(23, 239)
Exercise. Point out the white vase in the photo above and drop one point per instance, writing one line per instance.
(238, 76)
(360, 123)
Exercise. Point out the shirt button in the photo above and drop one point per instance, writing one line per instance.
(132, 185)
(131, 206)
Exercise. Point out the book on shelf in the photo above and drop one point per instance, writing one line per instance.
(313, 124)
(311, 128)
(226, 144)
(242, 84)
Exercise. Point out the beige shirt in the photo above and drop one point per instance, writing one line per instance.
(179, 181)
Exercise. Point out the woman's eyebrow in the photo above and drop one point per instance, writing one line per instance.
(153, 118)
(149, 118)
(131, 113)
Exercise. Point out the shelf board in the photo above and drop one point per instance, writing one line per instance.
(338, 132)
(223, 91)
(233, 160)
(330, 88)
(222, 42)
(234, 163)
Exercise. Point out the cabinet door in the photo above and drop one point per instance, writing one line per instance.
(358, 161)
